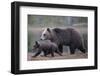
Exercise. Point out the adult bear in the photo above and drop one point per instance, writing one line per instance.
(68, 37)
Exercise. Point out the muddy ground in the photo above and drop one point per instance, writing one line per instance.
(65, 55)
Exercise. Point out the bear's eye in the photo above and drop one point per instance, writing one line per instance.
(44, 34)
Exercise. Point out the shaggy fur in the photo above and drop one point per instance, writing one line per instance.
(47, 47)
(68, 37)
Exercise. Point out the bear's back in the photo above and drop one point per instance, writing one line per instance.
(63, 36)
(67, 35)
(46, 44)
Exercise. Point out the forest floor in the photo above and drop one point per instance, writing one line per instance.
(65, 55)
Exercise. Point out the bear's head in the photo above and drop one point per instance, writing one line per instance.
(46, 34)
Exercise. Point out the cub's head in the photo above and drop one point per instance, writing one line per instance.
(46, 34)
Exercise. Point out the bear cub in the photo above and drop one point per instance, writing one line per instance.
(47, 47)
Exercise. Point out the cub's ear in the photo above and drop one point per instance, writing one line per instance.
(48, 29)
(36, 42)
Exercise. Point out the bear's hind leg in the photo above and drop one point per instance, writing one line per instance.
(82, 49)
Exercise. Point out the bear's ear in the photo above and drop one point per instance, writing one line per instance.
(48, 29)
(57, 30)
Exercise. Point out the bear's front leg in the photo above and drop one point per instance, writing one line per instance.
(72, 49)
(52, 53)
(60, 47)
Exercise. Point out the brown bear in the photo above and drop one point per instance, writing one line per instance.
(68, 37)
(47, 47)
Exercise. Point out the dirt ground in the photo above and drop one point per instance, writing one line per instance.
(65, 55)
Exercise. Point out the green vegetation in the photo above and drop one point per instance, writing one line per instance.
(41, 21)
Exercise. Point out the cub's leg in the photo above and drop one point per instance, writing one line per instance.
(45, 53)
(57, 51)
(39, 51)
